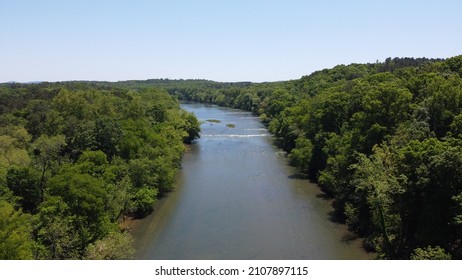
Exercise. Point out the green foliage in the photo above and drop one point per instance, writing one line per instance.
(107, 135)
(144, 201)
(376, 177)
(47, 150)
(13, 143)
(454, 64)
(301, 155)
(115, 246)
(78, 157)
(57, 231)
(15, 234)
(84, 194)
(430, 253)
(24, 182)
(456, 126)
(191, 126)
(142, 174)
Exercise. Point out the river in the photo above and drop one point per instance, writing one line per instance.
(236, 197)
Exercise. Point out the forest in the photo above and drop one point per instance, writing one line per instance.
(76, 159)
(383, 140)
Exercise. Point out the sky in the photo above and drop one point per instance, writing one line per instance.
(233, 40)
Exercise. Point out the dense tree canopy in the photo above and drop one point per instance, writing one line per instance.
(75, 158)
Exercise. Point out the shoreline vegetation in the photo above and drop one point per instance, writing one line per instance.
(77, 160)
(384, 140)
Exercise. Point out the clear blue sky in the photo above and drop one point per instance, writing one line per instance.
(235, 40)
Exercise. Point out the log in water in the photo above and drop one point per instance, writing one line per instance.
(237, 198)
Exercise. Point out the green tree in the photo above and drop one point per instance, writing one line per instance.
(15, 234)
(115, 246)
(47, 152)
(144, 201)
(455, 64)
(57, 231)
(108, 133)
(13, 143)
(142, 173)
(191, 126)
(85, 195)
(36, 113)
(377, 177)
(430, 253)
(83, 138)
(25, 183)
(301, 155)
(429, 207)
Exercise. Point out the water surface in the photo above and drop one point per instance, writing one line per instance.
(237, 198)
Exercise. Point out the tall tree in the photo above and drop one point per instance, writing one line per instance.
(15, 234)
(47, 151)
